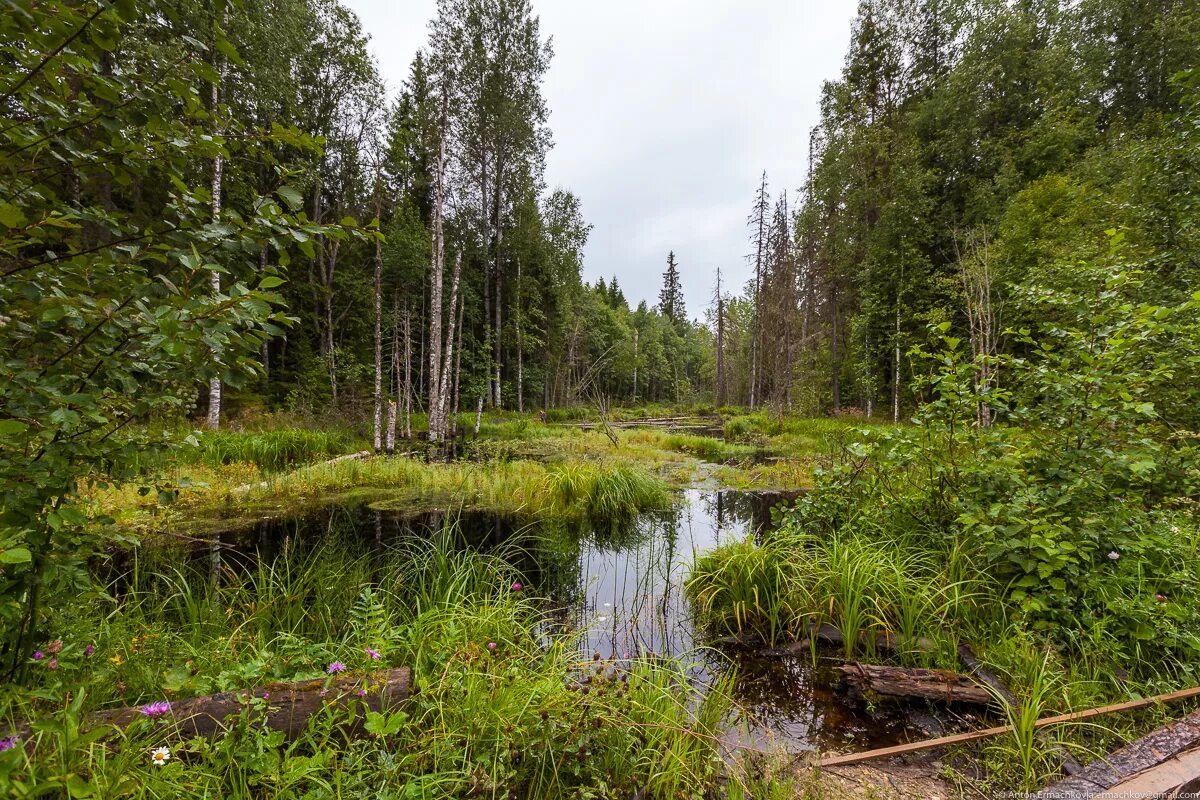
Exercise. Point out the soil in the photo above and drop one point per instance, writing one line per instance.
(889, 779)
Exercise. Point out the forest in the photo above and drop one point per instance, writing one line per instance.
(327, 470)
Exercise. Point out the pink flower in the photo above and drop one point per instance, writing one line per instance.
(516, 587)
(87, 651)
(266, 695)
(362, 692)
(492, 646)
(38, 655)
(374, 654)
(52, 664)
(335, 668)
(8, 743)
(1162, 598)
(155, 710)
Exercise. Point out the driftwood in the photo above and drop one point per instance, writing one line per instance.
(1163, 760)
(963, 738)
(927, 684)
(289, 705)
(1066, 761)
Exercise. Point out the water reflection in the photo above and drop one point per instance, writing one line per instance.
(620, 586)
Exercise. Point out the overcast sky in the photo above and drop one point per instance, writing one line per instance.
(665, 113)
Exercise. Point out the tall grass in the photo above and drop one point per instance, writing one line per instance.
(273, 451)
(861, 584)
(499, 711)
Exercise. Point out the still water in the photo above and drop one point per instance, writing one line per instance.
(621, 588)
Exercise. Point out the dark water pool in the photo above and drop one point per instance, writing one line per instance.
(620, 586)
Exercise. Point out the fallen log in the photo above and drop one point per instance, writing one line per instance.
(963, 738)
(909, 682)
(1161, 761)
(289, 706)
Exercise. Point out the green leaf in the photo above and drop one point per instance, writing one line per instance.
(15, 555)
(291, 196)
(11, 216)
(11, 427)
(270, 282)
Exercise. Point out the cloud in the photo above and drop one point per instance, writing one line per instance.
(665, 113)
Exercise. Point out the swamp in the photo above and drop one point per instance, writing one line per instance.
(331, 468)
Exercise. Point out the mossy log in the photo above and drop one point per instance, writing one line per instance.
(907, 682)
(289, 706)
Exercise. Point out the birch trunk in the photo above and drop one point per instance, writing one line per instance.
(408, 387)
(435, 280)
(520, 348)
(378, 429)
(214, 383)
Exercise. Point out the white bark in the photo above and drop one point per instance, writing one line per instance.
(214, 383)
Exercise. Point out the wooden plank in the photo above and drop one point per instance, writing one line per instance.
(1139, 756)
(1165, 777)
(961, 738)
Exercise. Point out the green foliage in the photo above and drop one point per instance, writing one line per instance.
(526, 717)
(108, 253)
(272, 451)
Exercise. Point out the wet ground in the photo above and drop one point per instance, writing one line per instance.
(620, 586)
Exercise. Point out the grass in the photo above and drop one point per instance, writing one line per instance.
(859, 584)
(271, 451)
(526, 718)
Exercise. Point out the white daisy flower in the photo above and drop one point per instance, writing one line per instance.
(160, 756)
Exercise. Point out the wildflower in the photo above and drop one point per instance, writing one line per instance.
(516, 587)
(374, 654)
(491, 646)
(38, 655)
(52, 664)
(335, 668)
(55, 647)
(266, 695)
(160, 756)
(156, 709)
(1113, 555)
(627, 654)
(87, 651)
(362, 692)
(1162, 598)
(8, 743)
(118, 659)
(322, 693)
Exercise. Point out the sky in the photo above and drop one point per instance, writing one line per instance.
(665, 114)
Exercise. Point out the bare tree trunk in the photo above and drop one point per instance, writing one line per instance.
(378, 302)
(834, 355)
(497, 311)
(394, 386)
(391, 427)
(218, 171)
(520, 347)
(408, 387)
(478, 414)
(458, 362)
(896, 346)
(435, 279)
(635, 364)
(445, 371)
